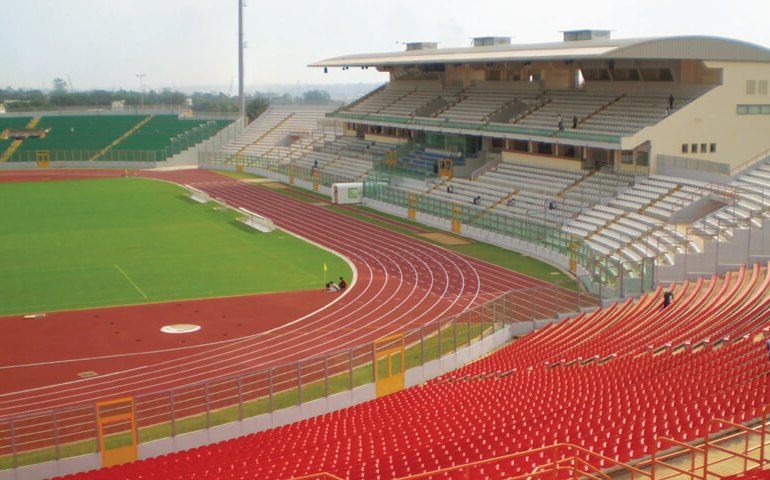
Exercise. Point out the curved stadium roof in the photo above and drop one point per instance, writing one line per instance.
(665, 48)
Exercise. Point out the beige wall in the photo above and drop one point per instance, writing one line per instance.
(712, 118)
(384, 139)
(559, 77)
(544, 160)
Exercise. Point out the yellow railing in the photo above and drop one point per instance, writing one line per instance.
(566, 461)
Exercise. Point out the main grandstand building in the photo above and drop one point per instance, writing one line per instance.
(636, 151)
(504, 98)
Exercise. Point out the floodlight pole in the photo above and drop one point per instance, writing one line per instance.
(140, 76)
(241, 98)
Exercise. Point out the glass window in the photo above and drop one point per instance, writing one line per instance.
(759, 109)
(751, 87)
(694, 148)
(685, 148)
(626, 157)
(713, 148)
(703, 148)
(762, 87)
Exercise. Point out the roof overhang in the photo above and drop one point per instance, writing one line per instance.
(690, 47)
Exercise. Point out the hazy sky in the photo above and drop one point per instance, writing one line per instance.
(183, 43)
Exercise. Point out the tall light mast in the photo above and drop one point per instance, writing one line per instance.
(241, 98)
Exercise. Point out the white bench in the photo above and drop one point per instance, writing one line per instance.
(256, 221)
(198, 195)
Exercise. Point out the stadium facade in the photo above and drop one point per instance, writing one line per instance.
(647, 105)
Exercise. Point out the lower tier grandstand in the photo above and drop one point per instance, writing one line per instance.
(611, 381)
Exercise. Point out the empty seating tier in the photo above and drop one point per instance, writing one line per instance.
(598, 112)
(611, 381)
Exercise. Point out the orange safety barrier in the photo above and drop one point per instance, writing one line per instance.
(114, 417)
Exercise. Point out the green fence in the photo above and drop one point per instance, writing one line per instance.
(608, 277)
(604, 276)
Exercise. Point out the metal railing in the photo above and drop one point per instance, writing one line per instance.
(693, 164)
(446, 123)
(560, 461)
(280, 168)
(69, 431)
(606, 276)
(568, 461)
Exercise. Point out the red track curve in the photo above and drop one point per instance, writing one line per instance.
(401, 283)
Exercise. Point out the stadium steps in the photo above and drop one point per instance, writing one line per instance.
(396, 100)
(493, 206)
(121, 138)
(17, 143)
(255, 142)
(331, 163)
(574, 184)
(373, 93)
(541, 102)
(658, 199)
(601, 109)
(607, 225)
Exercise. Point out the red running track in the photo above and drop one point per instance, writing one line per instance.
(401, 283)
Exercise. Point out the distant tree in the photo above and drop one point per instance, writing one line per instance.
(214, 102)
(59, 86)
(59, 94)
(316, 96)
(255, 106)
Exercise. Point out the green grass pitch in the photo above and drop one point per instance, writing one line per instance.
(90, 243)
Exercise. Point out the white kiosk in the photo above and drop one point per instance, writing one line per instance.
(347, 193)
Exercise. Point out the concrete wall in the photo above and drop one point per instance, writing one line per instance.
(543, 160)
(747, 247)
(712, 118)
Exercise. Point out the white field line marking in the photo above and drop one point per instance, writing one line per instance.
(130, 281)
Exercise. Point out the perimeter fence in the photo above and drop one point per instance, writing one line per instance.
(607, 275)
(70, 431)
